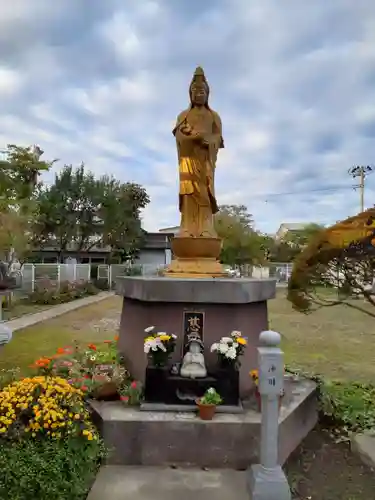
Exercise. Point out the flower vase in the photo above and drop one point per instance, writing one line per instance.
(227, 364)
(157, 361)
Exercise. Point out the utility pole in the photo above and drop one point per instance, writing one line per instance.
(361, 171)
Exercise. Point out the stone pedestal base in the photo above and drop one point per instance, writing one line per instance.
(199, 268)
(196, 258)
(227, 304)
(268, 484)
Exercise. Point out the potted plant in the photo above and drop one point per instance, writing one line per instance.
(96, 369)
(207, 404)
(131, 394)
(254, 374)
(158, 346)
(230, 349)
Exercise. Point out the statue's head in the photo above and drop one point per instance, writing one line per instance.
(194, 338)
(199, 89)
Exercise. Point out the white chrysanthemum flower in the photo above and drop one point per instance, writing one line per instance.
(214, 347)
(231, 353)
(146, 348)
(174, 336)
(223, 348)
(211, 390)
(236, 333)
(226, 340)
(149, 329)
(162, 347)
(161, 333)
(234, 345)
(93, 358)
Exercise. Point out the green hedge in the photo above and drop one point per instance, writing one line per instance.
(48, 470)
(347, 406)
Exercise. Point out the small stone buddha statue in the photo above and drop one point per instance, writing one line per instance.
(193, 364)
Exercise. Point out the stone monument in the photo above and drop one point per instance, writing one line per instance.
(195, 291)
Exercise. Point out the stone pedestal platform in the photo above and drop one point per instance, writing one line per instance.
(157, 438)
(227, 303)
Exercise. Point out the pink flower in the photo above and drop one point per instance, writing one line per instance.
(124, 398)
(133, 385)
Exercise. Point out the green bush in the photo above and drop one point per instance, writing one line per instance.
(42, 469)
(349, 407)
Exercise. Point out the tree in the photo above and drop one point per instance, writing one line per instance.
(83, 211)
(340, 257)
(19, 172)
(19, 185)
(241, 243)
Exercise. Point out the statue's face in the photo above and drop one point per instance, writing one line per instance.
(199, 94)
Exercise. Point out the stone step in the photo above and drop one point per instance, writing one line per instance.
(162, 483)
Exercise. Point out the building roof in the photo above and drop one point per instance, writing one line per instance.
(293, 226)
(170, 230)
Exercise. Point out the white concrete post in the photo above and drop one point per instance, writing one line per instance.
(267, 480)
(32, 278)
(110, 277)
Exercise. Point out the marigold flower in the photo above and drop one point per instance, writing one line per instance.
(60, 350)
(92, 347)
(116, 338)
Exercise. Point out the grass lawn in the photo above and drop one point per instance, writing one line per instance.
(20, 309)
(334, 341)
(91, 323)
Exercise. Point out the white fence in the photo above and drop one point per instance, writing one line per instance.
(32, 274)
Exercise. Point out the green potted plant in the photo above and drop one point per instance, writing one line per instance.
(131, 394)
(207, 404)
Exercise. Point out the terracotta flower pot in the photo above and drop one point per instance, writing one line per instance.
(107, 391)
(206, 412)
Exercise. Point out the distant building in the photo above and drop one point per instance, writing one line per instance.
(170, 230)
(155, 252)
(290, 227)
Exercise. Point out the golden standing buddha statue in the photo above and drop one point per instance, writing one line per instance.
(198, 133)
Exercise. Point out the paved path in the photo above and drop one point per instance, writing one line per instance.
(161, 483)
(53, 312)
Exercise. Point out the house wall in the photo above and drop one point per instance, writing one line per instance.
(152, 257)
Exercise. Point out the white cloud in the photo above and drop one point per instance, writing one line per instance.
(10, 82)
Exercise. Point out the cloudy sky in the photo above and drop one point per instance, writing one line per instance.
(102, 81)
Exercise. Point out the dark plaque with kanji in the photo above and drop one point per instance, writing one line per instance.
(193, 326)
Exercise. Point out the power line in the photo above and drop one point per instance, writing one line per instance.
(288, 193)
